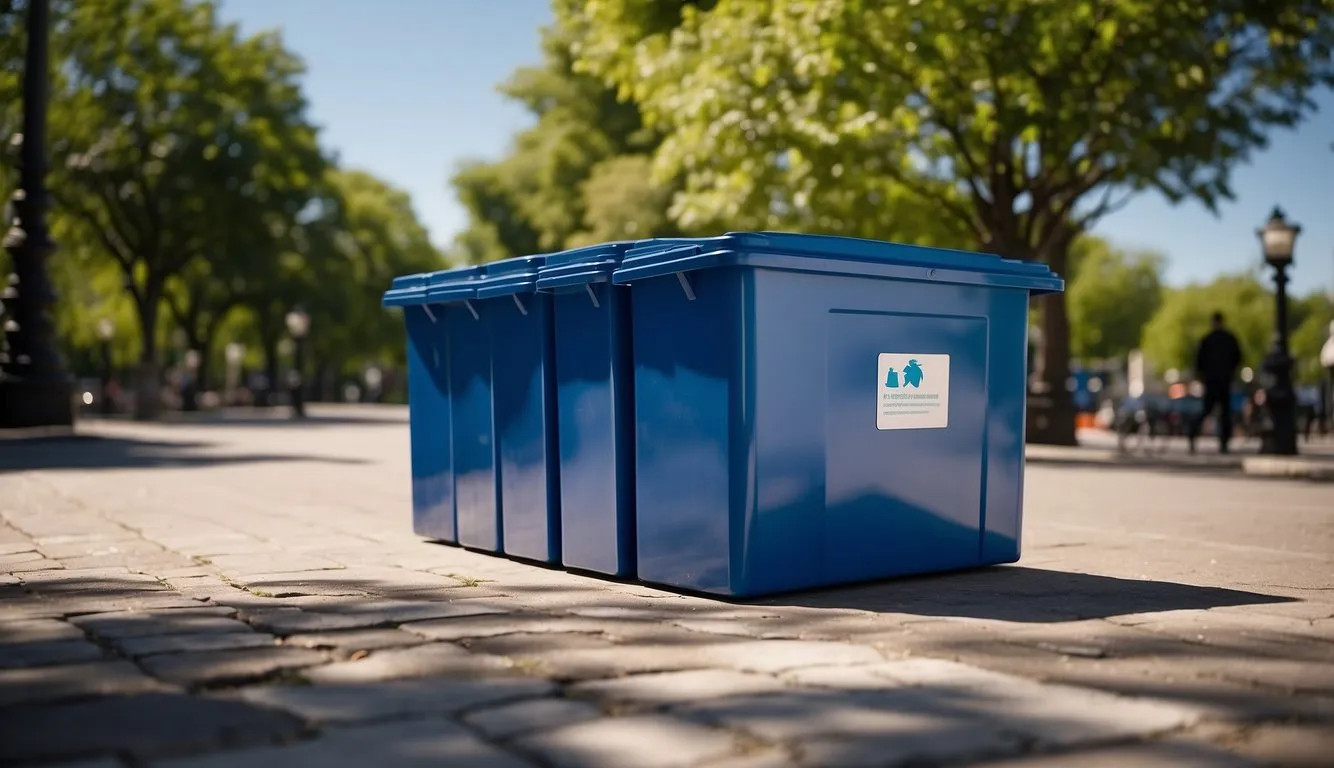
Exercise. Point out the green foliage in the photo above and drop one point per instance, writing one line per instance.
(1112, 295)
(1016, 124)
(1171, 337)
(562, 182)
(1312, 317)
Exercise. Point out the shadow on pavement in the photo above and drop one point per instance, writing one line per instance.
(1019, 594)
(83, 452)
(280, 417)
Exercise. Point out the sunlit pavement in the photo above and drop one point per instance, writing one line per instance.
(248, 592)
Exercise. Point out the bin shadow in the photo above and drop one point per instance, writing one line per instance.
(85, 452)
(1021, 594)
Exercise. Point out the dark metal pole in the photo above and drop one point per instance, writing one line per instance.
(298, 393)
(108, 407)
(1280, 396)
(35, 390)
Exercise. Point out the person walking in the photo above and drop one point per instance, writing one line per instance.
(1216, 362)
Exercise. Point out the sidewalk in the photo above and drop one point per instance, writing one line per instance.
(1098, 447)
(250, 594)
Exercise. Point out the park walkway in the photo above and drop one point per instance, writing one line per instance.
(249, 593)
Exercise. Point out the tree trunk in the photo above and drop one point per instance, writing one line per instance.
(1051, 408)
(270, 371)
(147, 387)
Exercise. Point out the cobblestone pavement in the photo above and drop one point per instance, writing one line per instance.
(251, 594)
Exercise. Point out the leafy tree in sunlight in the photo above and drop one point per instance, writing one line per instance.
(1112, 295)
(170, 129)
(1171, 337)
(570, 178)
(1311, 317)
(1020, 122)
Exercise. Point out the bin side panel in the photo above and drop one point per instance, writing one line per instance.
(524, 397)
(685, 359)
(429, 424)
(902, 498)
(1007, 394)
(596, 429)
(476, 490)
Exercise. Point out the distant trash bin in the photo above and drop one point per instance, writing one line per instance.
(816, 410)
(520, 337)
(595, 397)
(425, 300)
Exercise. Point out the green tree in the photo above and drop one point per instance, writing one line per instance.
(161, 121)
(1021, 122)
(1311, 317)
(1111, 296)
(1171, 337)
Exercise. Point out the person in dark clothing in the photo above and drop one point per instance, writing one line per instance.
(1216, 363)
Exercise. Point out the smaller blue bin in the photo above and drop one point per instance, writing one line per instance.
(521, 334)
(425, 300)
(595, 404)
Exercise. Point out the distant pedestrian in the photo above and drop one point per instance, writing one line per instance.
(1216, 363)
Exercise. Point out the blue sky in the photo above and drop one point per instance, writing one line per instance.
(406, 89)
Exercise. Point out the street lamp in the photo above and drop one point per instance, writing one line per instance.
(106, 330)
(1279, 435)
(298, 325)
(35, 390)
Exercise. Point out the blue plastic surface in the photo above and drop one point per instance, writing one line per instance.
(423, 298)
(521, 332)
(595, 390)
(760, 466)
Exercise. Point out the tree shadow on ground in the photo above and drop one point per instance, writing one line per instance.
(85, 452)
(326, 416)
(1019, 594)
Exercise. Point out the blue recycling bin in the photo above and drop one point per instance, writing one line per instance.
(519, 327)
(816, 410)
(425, 300)
(595, 408)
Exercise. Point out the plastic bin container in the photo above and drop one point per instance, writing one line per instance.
(820, 410)
(521, 337)
(595, 407)
(425, 299)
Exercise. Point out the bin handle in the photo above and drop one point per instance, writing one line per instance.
(472, 309)
(592, 295)
(685, 286)
(519, 303)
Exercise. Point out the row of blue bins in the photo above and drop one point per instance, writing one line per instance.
(741, 415)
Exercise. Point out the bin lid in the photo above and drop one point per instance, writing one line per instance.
(578, 266)
(510, 276)
(834, 255)
(432, 287)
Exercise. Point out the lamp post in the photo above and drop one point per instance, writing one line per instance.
(106, 330)
(35, 390)
(298, 325)
(1279, 436)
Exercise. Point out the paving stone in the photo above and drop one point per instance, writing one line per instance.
(145, 726)
(400, 611)
(497, 625)
(8, 579)
(417, 661)
(199, 641)
(767, 758)
(425, 743)
(146, 601)
(230, 666)
(127, 624)
(678, 687)
(15, 547)
(537, 643)
(647, 741)
(44, 653)
(101, 582)
(37, 630)
(35, 685)
(1299, 746)
(14, 558)
(25, 607)
(39, 565)
(531, 716)
(353, 640)
(139, 562)
(394, 699)
(287, 563)
(1170, 754)
(758, 656)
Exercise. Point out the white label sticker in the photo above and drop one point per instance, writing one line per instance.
(913, 392)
